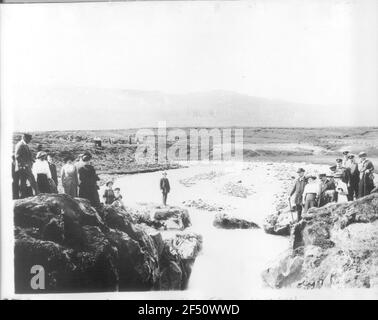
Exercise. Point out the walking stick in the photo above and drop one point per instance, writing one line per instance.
(291, 212)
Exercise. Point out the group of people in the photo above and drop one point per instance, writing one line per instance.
(347, 180)
(33, 176)
(78, 176)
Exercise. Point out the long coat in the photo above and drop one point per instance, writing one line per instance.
(70, 180)
(366, 183)
(88, 188)
(298, 190)
(23, 155)
(164, 185)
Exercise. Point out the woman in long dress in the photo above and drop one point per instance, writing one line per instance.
(88, 178)
(42, 173)
(69, 177)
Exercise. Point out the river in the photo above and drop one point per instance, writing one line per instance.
(231, 260)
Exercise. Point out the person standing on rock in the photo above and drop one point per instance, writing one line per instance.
(88, 188)
(69, 177)
(326, 190)
(366, 184)
(298, 190)
(346, 159)
(353, 174)
(165, 187)
(341, 170)
(42, 173)
(54, 174)
(24, 164)
(310, 193)
(109, 196)
(341, 189)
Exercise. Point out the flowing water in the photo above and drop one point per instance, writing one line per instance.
(231, 261)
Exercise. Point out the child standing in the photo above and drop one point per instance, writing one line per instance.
(109, 196)
(118, 197)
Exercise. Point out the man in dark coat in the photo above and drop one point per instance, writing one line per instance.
(353, 178)
(24, 163)
(165, 187)
(88, 178)
(366, 176)
(327, 189)
(298, 189)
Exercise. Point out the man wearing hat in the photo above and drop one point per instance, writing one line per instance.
(353, 178)
(366, 184)
(341, 170)
(346, 160)
(298, 190)
(165, 187)
(24, 163)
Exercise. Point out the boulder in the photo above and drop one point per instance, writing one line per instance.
(84, 250)
(163, 217)
(179, 254)
(278, 223)
(332, 247)
(226, 221)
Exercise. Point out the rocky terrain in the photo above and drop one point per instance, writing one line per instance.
(84, 250)
(332, 247)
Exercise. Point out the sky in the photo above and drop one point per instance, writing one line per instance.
(310, 52)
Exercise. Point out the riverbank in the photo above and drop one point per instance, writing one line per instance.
(231, 260)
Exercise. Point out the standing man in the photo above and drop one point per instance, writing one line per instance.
(353, 174)
(24, 164)
(366, 176)
(165, 187)
(54, 174)
(298, 190)
(327, 190)
(346, 160)
(341, 170)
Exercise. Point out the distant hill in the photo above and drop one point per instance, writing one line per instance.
(90, 108)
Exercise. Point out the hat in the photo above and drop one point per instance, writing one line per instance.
(109, 182)
(27, 135)
(351, 156)
(311, 177)
(345, 153)
(86, 156)
(332, 168)
(41, 154)
(339, 160)
(362, 155)
(322, 175)
(301, 170)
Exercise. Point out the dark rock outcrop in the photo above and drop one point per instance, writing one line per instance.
(84, 250)
(334, 247)
(226, 221)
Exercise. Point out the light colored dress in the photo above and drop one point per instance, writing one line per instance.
(70, 179)
(342, 190)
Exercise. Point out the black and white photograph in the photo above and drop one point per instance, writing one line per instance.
(189, 150)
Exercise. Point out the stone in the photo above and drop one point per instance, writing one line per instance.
(226, 221)
(336, 247)
(85, 250)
